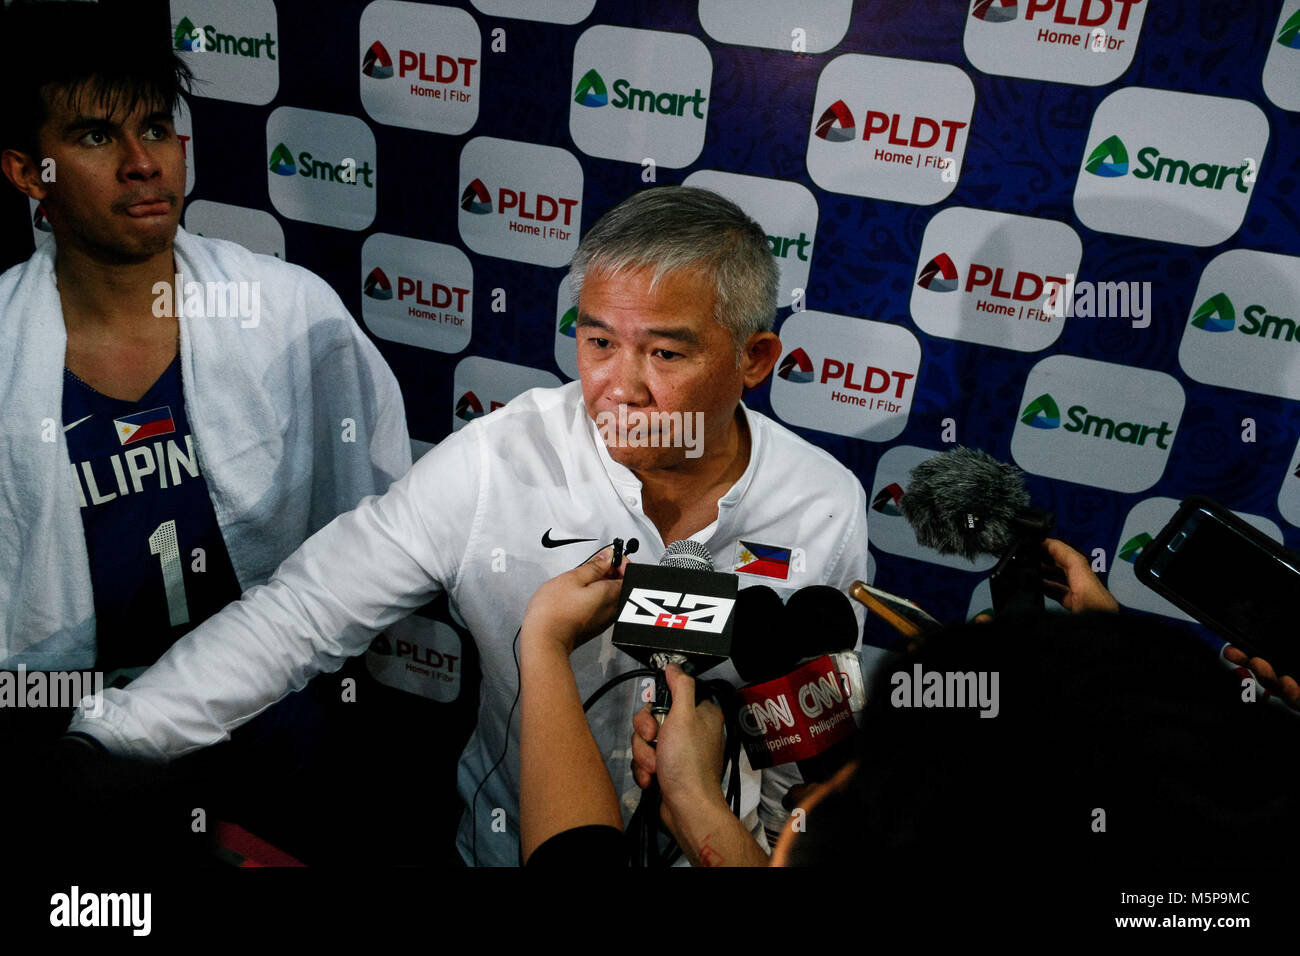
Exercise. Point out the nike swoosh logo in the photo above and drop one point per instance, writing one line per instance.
(68, 428)
(549, 542)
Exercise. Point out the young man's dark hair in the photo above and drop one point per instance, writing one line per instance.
(83, 50)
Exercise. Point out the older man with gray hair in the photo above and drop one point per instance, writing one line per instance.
(676, 295)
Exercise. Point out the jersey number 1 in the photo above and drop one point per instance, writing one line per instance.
(163, 543)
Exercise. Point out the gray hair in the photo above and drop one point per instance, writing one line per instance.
(673, 228)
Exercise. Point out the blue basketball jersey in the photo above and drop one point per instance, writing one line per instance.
(158, 564)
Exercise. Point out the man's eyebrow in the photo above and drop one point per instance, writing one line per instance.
(681, 333)
(83, 121)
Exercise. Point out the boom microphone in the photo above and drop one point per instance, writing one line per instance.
(967, 502)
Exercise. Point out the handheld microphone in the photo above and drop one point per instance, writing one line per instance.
(967, 502)
(677, 612)
(803, 692)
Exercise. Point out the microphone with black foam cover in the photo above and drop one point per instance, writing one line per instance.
(677, 612)
(803, 693)
(967, 502)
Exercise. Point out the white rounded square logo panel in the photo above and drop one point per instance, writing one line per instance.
(787, 212)
(321, 167)
(1097, 423)
(232, 47)
(254, 229)
(1244, 328)
(1281, 77)
(985, 277)
(420, 656)
(809, 26)
(420, 66)
(889, 530)
(890, 129)
(1090, 42)
(482, 385)
(520, 201)
(548, 11)
(1176, 167)
(566, 330)
(846, 376)
(640, 94)
(416, 292)
(1140, 529)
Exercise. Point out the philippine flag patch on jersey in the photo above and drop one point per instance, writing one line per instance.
(767, 560)
(143, 425)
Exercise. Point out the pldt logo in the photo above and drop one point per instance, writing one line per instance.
(836, 124)
(422, 292)
(796, 367)
(377, 285)
(468, 407)
(888, 500)
(939, 274)
(994, 11)
(476, 199)
(377, 64)
(417, 293)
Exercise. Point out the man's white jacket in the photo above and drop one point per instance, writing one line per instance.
(473, 518)
(295, 419)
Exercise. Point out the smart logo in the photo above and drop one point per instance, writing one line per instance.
(377, 64)
(836, 124)
(233, 48)
(567, 323)
(1289, 36)
(531, 210)
(321, 167)
(417, 293)
(785, 210)
(796, 367)
(1194, 159)
(566, 330)
(430, 81)
(846, 376)
(1261, 357)
(1042, 412)
(1118, 425)
(915, 117)
(639, 94)
(1109, 159)
(1070, 41)
(346, 173)
(1281, 77)
(591, 90)
(1010, 264)
(483, 385)
(1131, 549)
(1216, 314)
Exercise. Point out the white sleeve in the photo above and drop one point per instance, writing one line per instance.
(365, 570)
(847, 564)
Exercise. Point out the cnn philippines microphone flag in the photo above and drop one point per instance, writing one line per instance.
(768, 560)
(143, 425)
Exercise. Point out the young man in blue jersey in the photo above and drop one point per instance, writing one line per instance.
(156, 461)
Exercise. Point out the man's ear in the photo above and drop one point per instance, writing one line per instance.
(25, 173)
(759, 358)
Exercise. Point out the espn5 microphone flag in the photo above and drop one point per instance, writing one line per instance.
(665, 610)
